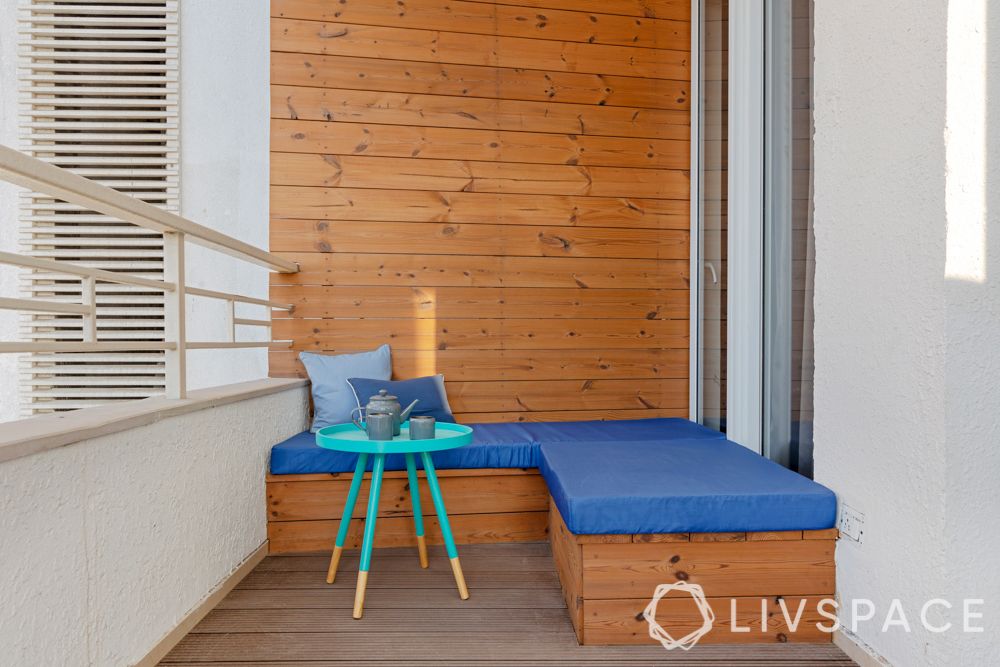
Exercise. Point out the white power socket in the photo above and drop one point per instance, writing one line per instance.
(852, 523)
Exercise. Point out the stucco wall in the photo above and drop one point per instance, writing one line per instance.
(8, 205)
(906, 358)
(225, 133)
(108, 543)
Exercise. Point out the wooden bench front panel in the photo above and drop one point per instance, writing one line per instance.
(490, 505)
(608, 580)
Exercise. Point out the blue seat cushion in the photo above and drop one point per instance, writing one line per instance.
(703, 485)
(490, 448)
(508, 445)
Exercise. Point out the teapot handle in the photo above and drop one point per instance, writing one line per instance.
(356, 422)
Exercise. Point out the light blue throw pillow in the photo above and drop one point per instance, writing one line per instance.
(333, 398)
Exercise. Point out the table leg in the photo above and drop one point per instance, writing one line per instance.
(345, 520)
(366, 547)
(418, 516)
(449, 540)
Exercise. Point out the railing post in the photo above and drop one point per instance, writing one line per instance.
(88, 293)
(174, 314)
(231, 313)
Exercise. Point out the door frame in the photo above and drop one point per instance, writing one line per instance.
(745, 205)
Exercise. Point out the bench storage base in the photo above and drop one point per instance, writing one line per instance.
(608, 580)
(484, 506)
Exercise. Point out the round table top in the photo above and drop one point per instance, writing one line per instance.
(349, 438)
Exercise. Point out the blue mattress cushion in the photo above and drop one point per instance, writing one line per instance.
(510, 445)
(491, 447)
(678, 486)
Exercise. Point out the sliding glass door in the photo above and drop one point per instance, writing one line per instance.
(755, 262)
(713, 130)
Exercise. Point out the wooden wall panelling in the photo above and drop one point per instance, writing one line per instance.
(498, 190)
(495, 19)
(402, 108)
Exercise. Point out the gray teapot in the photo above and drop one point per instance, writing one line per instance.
(385, 402)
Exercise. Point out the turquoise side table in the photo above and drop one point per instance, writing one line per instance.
(348, 438)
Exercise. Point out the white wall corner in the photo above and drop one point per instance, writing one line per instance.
(858, 651)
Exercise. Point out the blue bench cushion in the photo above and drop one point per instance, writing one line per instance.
(301, 455)
(703, 485)
(512, 445)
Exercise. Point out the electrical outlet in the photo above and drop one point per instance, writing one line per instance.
(852, 523)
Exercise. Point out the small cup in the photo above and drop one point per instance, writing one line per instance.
(422, 428)
(379, 425)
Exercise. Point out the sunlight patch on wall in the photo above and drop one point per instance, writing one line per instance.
(965, 141)
(425, 322)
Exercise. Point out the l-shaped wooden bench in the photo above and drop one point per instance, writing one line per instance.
(607, 580)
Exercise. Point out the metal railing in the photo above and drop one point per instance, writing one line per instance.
(34, 174)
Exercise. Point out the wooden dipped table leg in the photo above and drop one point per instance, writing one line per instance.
(345, 519)
(456, 568)
(422, 551)
(359, 594)
(369, 536)
(418, 516)
(331, 573)
(449, 540)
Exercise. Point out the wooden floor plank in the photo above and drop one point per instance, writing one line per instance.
(396, 646)
(383, 577)
(473, 563)
(698, 657)
(426, 620)
(390, 598)
(284, 614)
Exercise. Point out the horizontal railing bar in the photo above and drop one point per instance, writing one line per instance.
(68, 268)
(37, 175)
(228, 344)
(225, 296)
(78, 346)
(40, 306)
(252, 323)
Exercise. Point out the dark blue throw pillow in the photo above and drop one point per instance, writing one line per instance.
(433, 402)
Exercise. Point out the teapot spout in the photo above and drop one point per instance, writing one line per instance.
(404, 415)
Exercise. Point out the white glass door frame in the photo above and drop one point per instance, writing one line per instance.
(745, 244)
(745, 295)
(696, 252)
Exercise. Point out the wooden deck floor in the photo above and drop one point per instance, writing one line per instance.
(284, 613)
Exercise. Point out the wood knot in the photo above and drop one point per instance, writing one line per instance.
(675, 559)
(681, 575)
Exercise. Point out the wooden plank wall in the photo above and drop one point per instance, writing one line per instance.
(497, 189)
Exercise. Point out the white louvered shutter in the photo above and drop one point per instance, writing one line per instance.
(99, 97)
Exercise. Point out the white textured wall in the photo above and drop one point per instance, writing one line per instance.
(108, 543)
(9, 286)
(225, 135)
(907, 397)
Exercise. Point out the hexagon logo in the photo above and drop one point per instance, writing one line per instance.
(657, 632)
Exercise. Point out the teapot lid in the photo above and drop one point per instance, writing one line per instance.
(383, 395)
